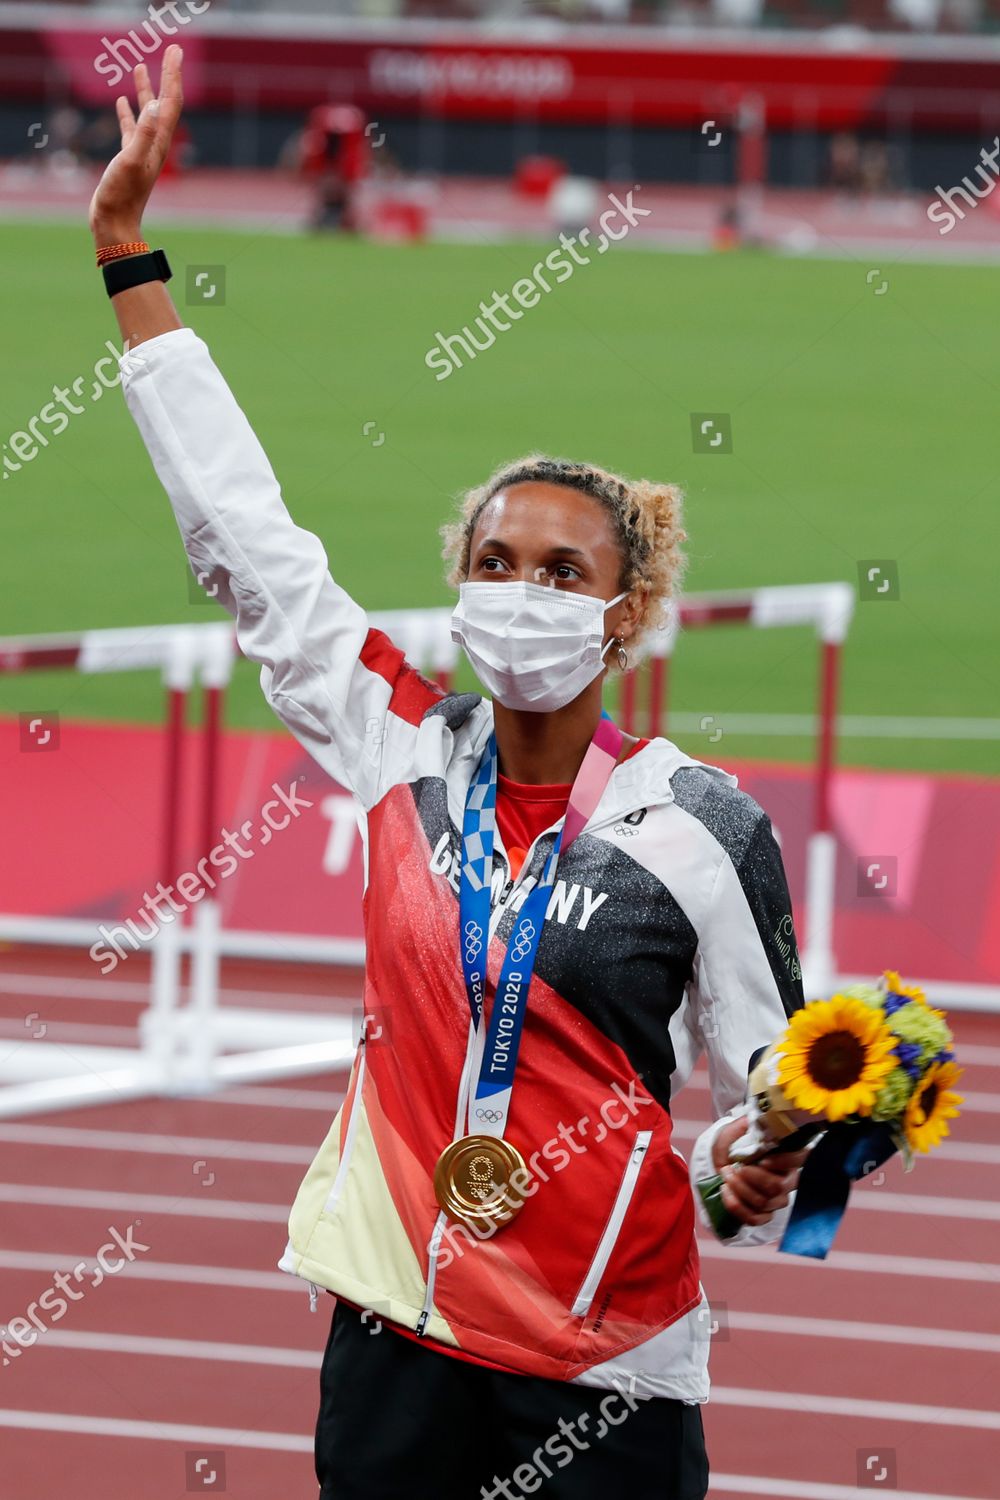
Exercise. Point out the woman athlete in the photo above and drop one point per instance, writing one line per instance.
(558, 917)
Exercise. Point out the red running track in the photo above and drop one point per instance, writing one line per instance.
(877, 1369)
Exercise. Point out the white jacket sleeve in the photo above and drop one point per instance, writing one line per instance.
(746, 983)
(347, 694)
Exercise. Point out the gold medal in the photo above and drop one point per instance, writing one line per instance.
(472, 1180)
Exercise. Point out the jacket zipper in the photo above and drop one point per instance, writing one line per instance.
(612, 1229)
(352, 1123)
(507, 890)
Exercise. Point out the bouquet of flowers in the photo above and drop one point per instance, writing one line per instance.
(870, 1071)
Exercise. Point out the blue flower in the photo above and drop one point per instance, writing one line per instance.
(945, 1055)
(892, 1003)
(909, 1055)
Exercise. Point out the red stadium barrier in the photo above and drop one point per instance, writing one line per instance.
(587, 75)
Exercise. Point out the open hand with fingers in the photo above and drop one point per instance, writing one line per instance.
(119, 202)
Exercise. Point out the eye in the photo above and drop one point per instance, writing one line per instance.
(566, 573)
(486, 561)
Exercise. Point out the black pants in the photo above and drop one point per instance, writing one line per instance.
(399, 1419)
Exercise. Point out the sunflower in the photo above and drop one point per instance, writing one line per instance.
(835, 1056)
(933, 1104)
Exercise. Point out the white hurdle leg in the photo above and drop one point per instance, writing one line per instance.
(158, 1024)
(201, 1014)
(202, 1022)
(818, 969)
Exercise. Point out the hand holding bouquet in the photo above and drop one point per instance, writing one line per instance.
(870, 1071)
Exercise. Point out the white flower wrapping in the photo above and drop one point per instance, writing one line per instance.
(771, 1119)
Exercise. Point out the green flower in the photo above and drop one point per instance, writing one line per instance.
(869, 993)
(894, 1095)
(918, 1024)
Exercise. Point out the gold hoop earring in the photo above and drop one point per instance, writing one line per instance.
(622, 657)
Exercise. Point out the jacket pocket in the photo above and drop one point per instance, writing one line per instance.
(612, 1229)
(352, 1125)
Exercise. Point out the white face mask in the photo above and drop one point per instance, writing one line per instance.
(533, 647)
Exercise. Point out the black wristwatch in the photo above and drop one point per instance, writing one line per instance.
(133, 270)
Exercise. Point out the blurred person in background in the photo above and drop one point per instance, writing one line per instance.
(333, 156)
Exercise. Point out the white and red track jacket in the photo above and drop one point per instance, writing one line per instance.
(669, 931)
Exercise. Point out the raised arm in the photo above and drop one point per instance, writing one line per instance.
(343, 689)
(119, 202)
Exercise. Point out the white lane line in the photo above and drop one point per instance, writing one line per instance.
(789, 1403)
(224, 1353)
(981, 1153)
(984, 1104)
(157, 1432)
(328, 1104)
(49, 1196)
(849, 1261)
(319, 1100)
(48, 1262)
(224, 1437)
(126, 990)
(65, 1033)
(275, 1098)
(970, 1151)
(802, 1489)
(976, 1152)
(974, 1103)
(235, 1150)
(916, 1203)
(982, 1056)
(141, 1203)
(768, 1323)
(981, 1103)
(866, 1262)
(157, 1145)
(866, 1333)
(137, 993)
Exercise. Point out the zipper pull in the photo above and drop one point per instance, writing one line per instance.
(421, 1327)
(505, 892)
(313, 1294)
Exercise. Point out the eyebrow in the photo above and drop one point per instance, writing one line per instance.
(562, 551)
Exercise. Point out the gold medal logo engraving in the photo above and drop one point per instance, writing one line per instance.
(481, 1183)
(472, 1180)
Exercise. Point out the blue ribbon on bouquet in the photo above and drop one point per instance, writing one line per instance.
(844, 1154)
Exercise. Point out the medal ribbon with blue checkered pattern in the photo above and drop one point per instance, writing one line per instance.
(490, 1105)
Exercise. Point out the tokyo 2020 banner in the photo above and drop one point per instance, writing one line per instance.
(592, 76)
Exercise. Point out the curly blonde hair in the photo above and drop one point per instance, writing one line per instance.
(646, 518)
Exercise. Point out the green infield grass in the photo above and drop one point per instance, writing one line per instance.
(862, 413)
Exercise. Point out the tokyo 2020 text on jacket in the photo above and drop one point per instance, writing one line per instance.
(669, 931)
